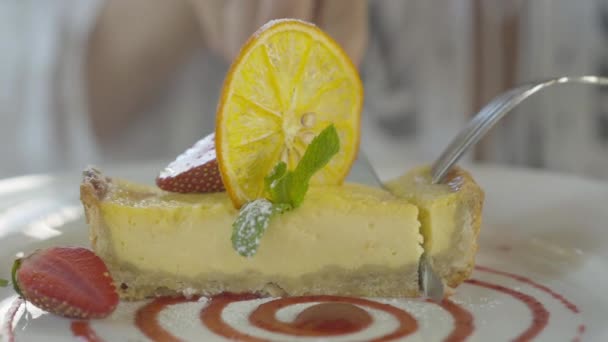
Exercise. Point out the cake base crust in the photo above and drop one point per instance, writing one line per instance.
(365, 282)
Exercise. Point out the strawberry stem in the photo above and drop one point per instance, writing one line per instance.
(16, 266)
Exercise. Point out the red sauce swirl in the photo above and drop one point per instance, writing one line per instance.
(10, 318)
(211, 316)
(568, 304)
(335, 316)
(540, 315)
(146, 318)
(331, 319)
(463, 321)
(329, 316)
(83, 330)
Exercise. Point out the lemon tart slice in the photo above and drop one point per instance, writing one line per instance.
(345, 240)
(450, 216)
(348, 240)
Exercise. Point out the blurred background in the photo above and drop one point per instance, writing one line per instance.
(111, 81)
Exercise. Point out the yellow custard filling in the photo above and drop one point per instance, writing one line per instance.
(342, 226)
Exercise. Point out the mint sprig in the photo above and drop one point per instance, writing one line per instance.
(290, 187)
(3, 282)
(286, 191)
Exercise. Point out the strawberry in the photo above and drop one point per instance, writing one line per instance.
(195, 170)
(68, 281)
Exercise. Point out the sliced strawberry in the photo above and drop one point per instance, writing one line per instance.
(67, 281)
(195, 170)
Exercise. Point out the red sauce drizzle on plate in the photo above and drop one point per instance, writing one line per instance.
(580, 331)
(330, 316)
(10, 318)
(569, 305)
(211, 316)
(463, 321)
(83, 330)
(331, 319)
(335, 315)
(540, 315)
(146, 318)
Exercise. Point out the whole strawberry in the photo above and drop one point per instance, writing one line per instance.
(68, 281)
(195, 170)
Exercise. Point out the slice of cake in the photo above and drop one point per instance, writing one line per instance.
(347, 240)
(450, 215)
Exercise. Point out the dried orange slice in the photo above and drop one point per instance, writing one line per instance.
(289, 82)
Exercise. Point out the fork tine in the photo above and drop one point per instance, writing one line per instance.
(490, 114)
(474, 128)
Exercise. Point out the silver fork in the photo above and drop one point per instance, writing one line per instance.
(484, 120)
(489, 115)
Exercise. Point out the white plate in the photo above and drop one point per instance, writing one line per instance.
(546, 233)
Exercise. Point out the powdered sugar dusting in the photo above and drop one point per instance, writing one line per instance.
(201, 153)
(252, 222)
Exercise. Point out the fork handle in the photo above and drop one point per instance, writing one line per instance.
(490, 114)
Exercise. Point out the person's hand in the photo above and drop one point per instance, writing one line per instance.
(226, 24)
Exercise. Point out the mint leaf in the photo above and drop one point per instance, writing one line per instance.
(291, 186)
(3, 282)
(277, 173)
(251, 224)
(286, 190)
(319, 152)
(275, 185)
